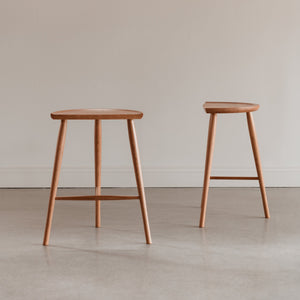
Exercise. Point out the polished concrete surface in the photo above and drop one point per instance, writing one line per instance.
(239, 255)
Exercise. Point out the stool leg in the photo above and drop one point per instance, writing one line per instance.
(208, 162)
(55, 178)
(139, 178)
(254, 144)
(98, 170)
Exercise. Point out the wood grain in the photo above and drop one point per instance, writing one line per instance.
(233, 178)
(97, 197)
(208, 163)
(94, 114)
(139, 178)
(254, 144)
(229, 107)
(55, 178)
(97, 143)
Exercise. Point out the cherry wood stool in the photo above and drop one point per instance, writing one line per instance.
(97, 115)
(214, 108)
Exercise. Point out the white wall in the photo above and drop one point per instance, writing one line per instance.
(163, 57)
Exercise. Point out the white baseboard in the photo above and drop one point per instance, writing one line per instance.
(122, 177)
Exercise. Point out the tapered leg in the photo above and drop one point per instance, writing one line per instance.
(139, 178)
(98, 170)
(55, 178)
(208, 162)
(254, 144)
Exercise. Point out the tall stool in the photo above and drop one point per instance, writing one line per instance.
(214, 108)
(97, 115)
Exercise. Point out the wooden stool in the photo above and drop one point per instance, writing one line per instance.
(214, 108)
(97, 115)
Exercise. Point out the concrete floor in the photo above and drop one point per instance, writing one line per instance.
(239, 255)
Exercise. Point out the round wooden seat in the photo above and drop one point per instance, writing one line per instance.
(229, 107)
(97, 114)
